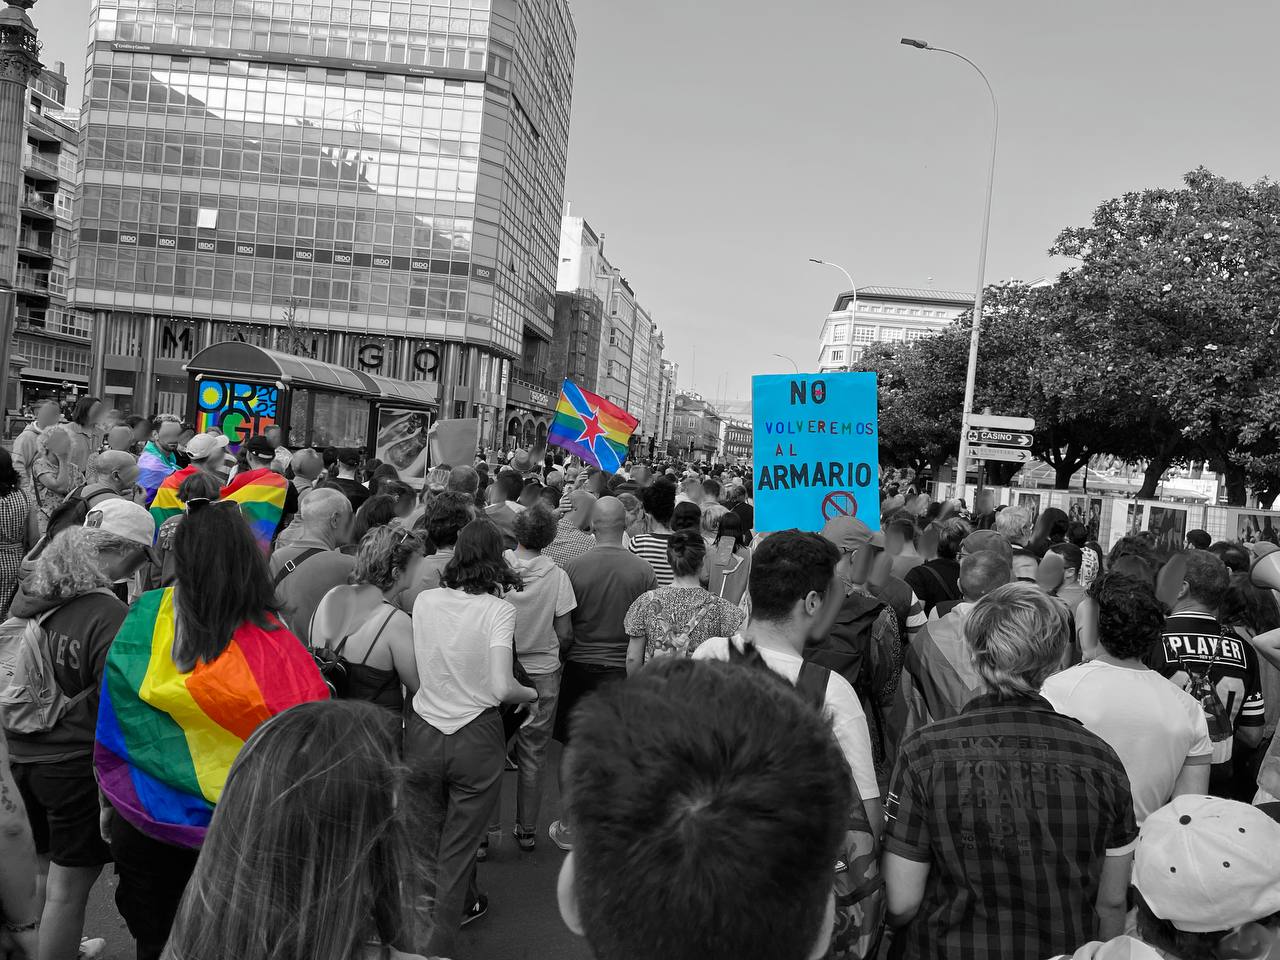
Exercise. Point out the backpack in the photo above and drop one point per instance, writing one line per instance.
(31, 701)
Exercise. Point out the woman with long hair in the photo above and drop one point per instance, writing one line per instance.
(69, 593)
(362, 626)
(454, 740)
(729, 559)
(313, 852)
(55, 473)
(199, 486)
(82, 426)
(16, 531)
(676, 620)
(194, 669)
(378, 511)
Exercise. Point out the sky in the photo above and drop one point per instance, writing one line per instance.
(719, 144)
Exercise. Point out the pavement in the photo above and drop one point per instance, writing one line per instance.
(523, 922)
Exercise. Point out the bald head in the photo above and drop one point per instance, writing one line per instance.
(117, 469)
(608, 520)
(581, 506)
(326, 516)
(307, 464)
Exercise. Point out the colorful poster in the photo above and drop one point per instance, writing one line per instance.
(1169, 524)
(816, 450)
(402, 442)
(238, 410)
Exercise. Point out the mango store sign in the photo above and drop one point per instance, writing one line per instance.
(816, 450)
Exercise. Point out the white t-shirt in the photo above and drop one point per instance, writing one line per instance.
(1148, 721)
(847, 718)
(453, 633)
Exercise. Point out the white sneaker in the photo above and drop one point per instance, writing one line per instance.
(90, 949)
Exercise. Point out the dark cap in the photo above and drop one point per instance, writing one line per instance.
(990, 541)
(260, 447)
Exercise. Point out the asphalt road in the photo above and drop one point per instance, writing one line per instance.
(523, 922)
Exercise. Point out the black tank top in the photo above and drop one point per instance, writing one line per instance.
(373, 684)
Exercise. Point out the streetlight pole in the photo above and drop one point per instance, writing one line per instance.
(790, 361)
(852, 286)
(962, 462)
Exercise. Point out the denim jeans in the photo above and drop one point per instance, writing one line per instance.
(530, 746)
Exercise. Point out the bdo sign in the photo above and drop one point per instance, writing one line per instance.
(816, 450)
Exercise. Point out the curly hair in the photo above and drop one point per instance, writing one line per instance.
(478, 565)
(1130, 617)
(71, 564)
(536, 528)
(445, 517)
(383, 555)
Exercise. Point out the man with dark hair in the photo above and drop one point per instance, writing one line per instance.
(1070, 591)
(935, 581)
(347, 464)
(1198, 539)
(683, 782)
(938, 675)
(1158, 731)
(504, 497)
(443, 520)
(606, 580)
(1234, 555)
(710, 490)
(1215, 666)
(798, 584)
(1011, 827)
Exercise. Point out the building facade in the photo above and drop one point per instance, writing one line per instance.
(884, 315)
(735, 440)
(695, 428)
(374, 183)
(668, 376)
(51, 340)
(605, 341)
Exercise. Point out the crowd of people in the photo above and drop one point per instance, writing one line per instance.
(278, 690)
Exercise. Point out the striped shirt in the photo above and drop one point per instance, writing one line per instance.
(653, 547)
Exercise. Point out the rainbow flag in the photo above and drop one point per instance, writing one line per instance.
(261, 494)
(592, 428)
(166, 740)
(165, 503)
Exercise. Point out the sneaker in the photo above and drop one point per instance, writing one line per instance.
(560, 835)
(526, 840)
(476, 910)
(91, 949)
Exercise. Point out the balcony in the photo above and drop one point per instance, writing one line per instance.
(37, 206)
(48, 129)
(537, 379)
(32, 282)
(35, 245)
(40, 167)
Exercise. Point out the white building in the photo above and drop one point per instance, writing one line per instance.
(885, 315)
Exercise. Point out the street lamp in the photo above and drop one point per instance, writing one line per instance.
(789, 360)
(852, 286)
(962, 462)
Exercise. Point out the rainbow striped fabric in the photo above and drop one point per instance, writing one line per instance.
(592, 428)
(165, 503)
(166, 740)
(261, 494)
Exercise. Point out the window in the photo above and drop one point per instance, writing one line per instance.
(891, 334)
(837, 356)
(208, 219)
(839, 332)
(864, 334)
(913, 335)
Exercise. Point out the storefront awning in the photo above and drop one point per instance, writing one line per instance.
(235, 358)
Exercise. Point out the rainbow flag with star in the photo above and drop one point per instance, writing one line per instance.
(166, 504)
(166, 740)
(261, 494)
(592, 428)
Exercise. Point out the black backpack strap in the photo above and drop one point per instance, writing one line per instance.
(295, 563)
(812, 683)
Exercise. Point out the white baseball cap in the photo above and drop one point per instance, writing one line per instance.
(204, 445)
(125, 519)
(1205, 864)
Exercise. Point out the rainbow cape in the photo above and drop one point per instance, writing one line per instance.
(592, 428)
(166, 740)
(261, 494)
(165, 503)
(153, 468)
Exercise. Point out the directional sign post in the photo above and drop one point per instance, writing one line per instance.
(1011, 454)
(1025, 424)
(1000, 438)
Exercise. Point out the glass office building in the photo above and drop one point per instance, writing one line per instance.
(375, 182)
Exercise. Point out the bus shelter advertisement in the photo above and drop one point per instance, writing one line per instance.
(816, 447)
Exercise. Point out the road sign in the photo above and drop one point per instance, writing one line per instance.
(1000, 438)
(1000, 453)
(1025, 424)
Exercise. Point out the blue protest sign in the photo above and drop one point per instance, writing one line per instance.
(816, 449)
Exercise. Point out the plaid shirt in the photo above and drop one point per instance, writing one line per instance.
(1015, 808)
(569, 544)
